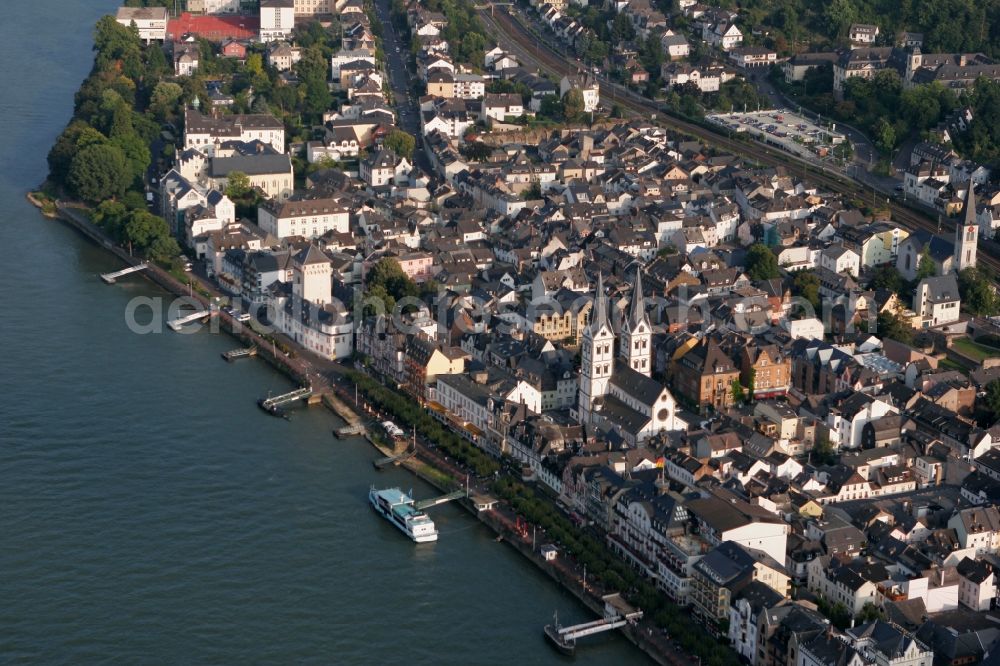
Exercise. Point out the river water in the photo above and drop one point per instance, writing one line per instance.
(150, 513)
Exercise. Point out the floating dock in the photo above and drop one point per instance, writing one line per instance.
(617, 613)
(178, 324)
(273, 405)
(111, 277)
(350, 431)
(234, 354)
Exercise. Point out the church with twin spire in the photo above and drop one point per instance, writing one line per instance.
(617, 394)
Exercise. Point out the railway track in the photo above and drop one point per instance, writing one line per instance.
(537, 51)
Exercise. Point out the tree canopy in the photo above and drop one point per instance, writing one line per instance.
(99, 172)
(760, 263)
(400, 142)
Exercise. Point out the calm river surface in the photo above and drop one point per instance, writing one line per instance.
(151, 514)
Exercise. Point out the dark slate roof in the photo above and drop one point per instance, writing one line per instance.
(644, 389)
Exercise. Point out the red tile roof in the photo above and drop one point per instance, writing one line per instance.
(215, 28)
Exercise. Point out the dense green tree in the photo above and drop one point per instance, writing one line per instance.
(163, 249)
(112, 216)
(622, 29)
(979, 295)
(552, 107)
(992, 398)
(477, 151)
(889, 278)
(114, 42)
(313, 89)
(143, 228)
(136, 151)
(237, 185)
(400, 142)
(806, 285)
(99, 172)
(925, 266)
(165, 100)
(893, 326)
(64, 150)
(760, 263)
(573, 105)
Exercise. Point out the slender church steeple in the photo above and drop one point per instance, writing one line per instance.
(596, 355)
(635, 346)
(967, 233)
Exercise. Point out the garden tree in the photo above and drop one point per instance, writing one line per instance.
(400, 142)
(889, 278)
(477, 151)
(869, 613)
(164, 100)
(237, 185)
(822, 451)
(978, 293)
(534, 191)
(134, 200)
(283, 96)
(99, 172)
(255, 64)
(893, 326)
(739, 396)
(573, 105)
(992, 398)
(388, 274)
(552, 107)
(651, 53)
(760, 263)
(622, 29)
(312, 72)
(925, 267)
(806, 285)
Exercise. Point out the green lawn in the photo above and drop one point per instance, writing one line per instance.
(974, 350)
(948, 364)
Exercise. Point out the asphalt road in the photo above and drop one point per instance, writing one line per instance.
(396, 52)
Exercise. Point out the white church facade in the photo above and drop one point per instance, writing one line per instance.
(617, 395)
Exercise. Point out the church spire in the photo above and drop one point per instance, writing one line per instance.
(600, 317)
(637, 312)
(970, 206)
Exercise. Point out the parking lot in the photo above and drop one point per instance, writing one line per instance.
(783, 128)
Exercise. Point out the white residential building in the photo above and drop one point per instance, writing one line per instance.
(277, 18)
(937, 300)
(310, 218)
(150, 21)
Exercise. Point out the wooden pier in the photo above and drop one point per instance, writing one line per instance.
(111, 277)
(244, 352)
(273, 405)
